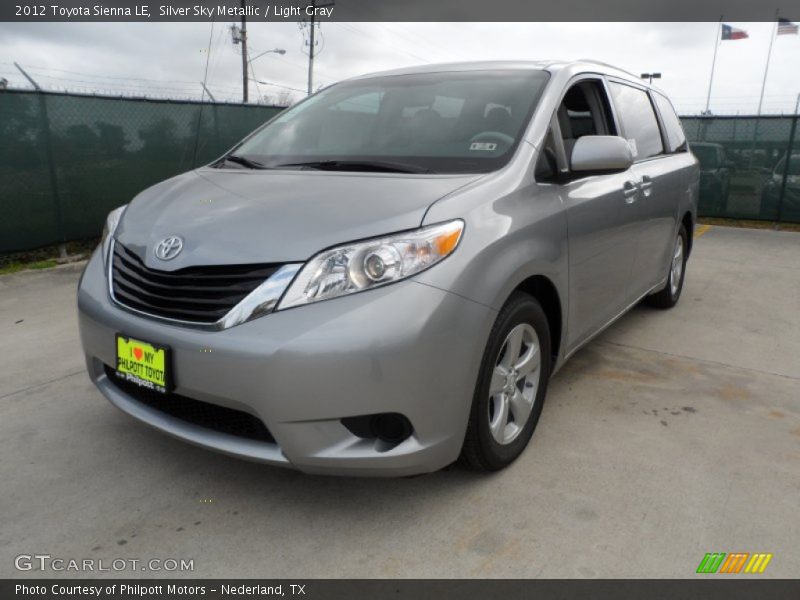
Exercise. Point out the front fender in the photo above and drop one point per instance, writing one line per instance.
(506, 240)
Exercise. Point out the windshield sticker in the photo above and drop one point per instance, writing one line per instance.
(483, 146)
(634, 148)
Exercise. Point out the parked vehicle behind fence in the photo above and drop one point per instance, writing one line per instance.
(775, 188)
(715, 176)
(382, 279)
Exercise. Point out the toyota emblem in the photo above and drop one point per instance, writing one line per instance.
(168, 248)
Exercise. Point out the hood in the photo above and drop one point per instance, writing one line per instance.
(250, 216)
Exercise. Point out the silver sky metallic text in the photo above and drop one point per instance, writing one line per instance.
(271, 10)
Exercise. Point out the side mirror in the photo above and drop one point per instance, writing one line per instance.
(601, 153)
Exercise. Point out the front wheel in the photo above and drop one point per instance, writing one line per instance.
(669, 296)
(511, 386)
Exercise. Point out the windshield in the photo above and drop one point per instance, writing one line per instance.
(453, 122)
(707, 155)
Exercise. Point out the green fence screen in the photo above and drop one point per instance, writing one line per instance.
(67, 160)
(749, 166)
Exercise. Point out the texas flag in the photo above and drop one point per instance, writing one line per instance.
(733, 33)
(786, 27)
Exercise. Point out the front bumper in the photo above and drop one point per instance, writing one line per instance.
(407, 348)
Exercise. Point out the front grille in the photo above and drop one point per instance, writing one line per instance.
(211, 416)
(196, 294)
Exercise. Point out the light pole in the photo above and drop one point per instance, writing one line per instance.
(274, 50)
(250, 63)
(651, 76)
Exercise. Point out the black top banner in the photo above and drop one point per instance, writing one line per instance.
(398, 10)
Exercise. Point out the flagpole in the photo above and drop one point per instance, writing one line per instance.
(713, 63)
(763, 87)
(766, 68)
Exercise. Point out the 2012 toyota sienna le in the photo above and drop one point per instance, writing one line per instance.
(384, 277)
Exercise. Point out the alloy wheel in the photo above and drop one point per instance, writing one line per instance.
(515, 380)
(677, 266)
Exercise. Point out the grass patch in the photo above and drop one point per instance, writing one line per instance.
(21, 266)
(45, 258)
(43, 255)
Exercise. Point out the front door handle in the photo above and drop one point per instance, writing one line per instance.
(629, 190)
(646, 184)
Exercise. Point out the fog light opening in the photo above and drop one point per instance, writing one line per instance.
(391, 428)
(386, 430)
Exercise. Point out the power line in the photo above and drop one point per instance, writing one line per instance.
(35, 68)
(382, 41)
(190, 86)
(417, 40)
(216, 52)
(253, 78)
(208, 59)
(202, 95)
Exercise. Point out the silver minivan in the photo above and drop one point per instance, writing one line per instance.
(383, 278)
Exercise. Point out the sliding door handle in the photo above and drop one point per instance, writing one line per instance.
(646, 184)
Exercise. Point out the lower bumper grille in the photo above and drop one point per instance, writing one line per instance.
(203, 414)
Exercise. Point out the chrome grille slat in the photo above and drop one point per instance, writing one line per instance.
(196, 294)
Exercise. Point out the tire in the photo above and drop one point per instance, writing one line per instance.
(523, 316)
(669, 296)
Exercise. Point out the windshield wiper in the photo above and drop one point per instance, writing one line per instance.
(359, 165)
(241, 160)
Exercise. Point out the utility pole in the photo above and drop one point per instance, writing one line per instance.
(311, 42)
(243, 38)
(311, 52)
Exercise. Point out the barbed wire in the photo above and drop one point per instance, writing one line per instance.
(67, 80)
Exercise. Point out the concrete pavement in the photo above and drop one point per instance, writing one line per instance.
(674, 434)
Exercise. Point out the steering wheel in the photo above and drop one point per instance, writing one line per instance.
(492, 136)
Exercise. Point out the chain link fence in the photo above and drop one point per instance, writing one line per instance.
(66, 160)
(749, 166)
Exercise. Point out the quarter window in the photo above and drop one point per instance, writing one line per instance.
(639, 123)
(676, 139)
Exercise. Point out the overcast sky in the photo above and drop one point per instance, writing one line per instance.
(169, 59)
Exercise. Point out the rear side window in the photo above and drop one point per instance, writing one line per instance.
(638, 119)
(676, 139)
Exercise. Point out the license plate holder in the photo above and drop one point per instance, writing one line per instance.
(144, 363)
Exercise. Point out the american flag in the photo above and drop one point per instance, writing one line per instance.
(786, 27)
(733, 33)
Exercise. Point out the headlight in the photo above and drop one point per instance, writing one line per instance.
(365, 265)
(112, 220)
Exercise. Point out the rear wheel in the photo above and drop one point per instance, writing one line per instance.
(511, 386)
(669, 296)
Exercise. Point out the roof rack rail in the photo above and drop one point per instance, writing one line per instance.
(605, 64)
